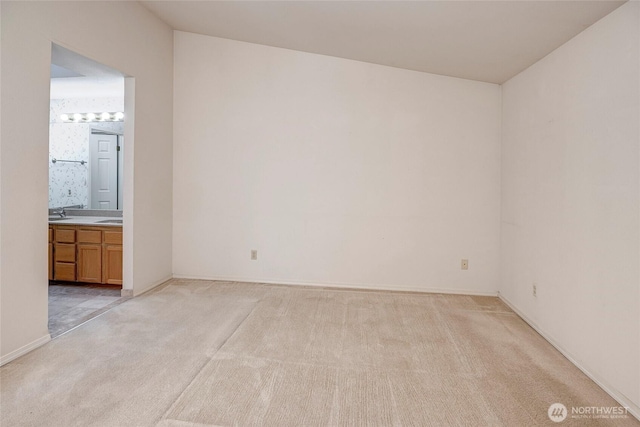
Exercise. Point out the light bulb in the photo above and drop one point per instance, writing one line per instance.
(77, 117)
(64, 117)
(91, 117)
(105, 116)
(119, 115)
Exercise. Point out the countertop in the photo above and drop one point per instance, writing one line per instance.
(84, 220)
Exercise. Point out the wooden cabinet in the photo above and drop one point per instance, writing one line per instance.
(65, 235)
(90, 236)
(64, 253)
(112, 265)
(87, 254)
(89, 263)
(64, 271)
(112, 257)
(89, 250)
(113, 237)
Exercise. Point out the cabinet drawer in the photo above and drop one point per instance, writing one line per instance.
(65, 235)
(65, 253)
(65, 271)
(113, 237)
(89, 236)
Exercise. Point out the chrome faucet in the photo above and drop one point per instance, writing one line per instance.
(62, 213)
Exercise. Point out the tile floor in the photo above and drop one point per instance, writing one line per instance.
(72, 305)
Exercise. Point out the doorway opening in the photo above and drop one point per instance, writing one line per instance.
(86, 135)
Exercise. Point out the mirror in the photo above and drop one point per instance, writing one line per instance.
(86, 129)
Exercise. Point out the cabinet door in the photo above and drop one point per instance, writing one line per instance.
(89, 263)
(112, 265)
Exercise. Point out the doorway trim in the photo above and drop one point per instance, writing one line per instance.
(128, 190)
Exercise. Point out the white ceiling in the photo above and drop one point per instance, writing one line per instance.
(58, 72)
(87, 87)
(76, 76)
(66, 63)
(489, 41)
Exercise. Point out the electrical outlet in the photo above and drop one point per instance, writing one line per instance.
(535, 290)
(254, 254)
(464, 264)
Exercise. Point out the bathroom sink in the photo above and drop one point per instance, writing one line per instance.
(110, 221)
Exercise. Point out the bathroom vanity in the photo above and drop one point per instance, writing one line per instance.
(86, 250)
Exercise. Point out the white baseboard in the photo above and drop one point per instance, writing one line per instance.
(633, 409)
(24, 349)
(155, 284)
(361, 286)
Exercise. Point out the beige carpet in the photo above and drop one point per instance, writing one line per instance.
(197, 353)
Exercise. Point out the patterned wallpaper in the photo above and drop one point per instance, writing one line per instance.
(70, 141)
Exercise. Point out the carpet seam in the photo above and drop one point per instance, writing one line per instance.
(209, 360)
(171, 406)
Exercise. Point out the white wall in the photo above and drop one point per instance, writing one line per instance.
(570, 199)
(336, 171)
(124, 36)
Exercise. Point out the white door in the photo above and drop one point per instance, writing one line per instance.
(103, 158)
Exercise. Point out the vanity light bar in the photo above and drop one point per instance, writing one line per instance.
(116, 116)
